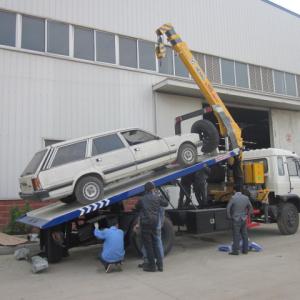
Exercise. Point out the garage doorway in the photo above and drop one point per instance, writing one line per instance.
(255, 125)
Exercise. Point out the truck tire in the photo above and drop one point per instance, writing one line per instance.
(54, 252)
(187, 155)
(288, 218)
(208, 134)
(167, 236)
(89, 189)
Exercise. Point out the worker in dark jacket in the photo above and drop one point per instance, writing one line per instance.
(149, 208)
(185, 189)
(200, 186)
(238, 208)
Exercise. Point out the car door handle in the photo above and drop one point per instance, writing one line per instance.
(98, 159)
(137, 149)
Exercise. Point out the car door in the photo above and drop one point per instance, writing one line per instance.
(294, 173)
(111, 157)
(149, 150)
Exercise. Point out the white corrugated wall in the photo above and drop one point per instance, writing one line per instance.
(248, 30)
(44, 97)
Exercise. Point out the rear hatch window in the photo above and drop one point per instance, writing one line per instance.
(34, 163)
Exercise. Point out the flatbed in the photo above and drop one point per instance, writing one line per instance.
(59, 213)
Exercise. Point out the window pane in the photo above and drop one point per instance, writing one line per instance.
(290, 84)
(280, 166)
(34, 163)
(180, 69)
(107, 143)
(69, 154)
(7, 28)
(279, 82)
(147, 55)
(166, 64)
(105, 47)
(33, 33)
(134, 137)
(84, 43)
(292, 167)
(241, 73)
(227, 72)
(51, 142)
(128, 53)
(57, 38)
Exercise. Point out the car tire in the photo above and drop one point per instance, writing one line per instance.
(208, 134)
(187, 155)
(68, 200)
(89, 189)
(288, 218)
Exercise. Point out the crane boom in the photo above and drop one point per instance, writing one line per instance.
(227, 125)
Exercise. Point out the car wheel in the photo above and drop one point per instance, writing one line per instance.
(208, 134)
(187, 155)
(68, 199)
(89, 189)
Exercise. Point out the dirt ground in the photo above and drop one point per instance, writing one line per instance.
(193, 270)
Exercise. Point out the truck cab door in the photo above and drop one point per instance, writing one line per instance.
(294, 173)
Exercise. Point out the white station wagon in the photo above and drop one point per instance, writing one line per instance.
(79, 169)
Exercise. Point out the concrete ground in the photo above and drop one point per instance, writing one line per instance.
(193, 270)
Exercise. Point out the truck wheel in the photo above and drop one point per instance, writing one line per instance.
(208, 134)
(89, 189)
(288, 218)
(187, 155)
(54, 252)
(167, 236)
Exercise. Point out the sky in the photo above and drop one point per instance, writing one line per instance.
(293, 5)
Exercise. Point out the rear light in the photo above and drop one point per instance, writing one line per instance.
(36, 184)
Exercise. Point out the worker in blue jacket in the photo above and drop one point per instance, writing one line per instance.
(113, 247)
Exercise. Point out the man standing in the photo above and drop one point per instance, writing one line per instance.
(238, 209)
(149, 207)
(113, 247)
(185, 190)
(161, 217)
(200, 186)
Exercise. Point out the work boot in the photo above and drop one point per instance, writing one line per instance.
(233, 253)
(149, 268)
(160, 267)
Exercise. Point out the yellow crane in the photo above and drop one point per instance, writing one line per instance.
(227, 125)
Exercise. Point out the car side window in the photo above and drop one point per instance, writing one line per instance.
(292, 167)
(106, 143)
(280, 166)
(135, 137)
(69, 153)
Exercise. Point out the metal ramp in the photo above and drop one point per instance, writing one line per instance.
(58, 213)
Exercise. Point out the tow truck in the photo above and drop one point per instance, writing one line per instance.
(64, 226)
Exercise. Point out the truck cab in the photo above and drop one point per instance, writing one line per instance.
(281, 170)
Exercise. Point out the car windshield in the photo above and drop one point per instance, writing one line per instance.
(34, 163)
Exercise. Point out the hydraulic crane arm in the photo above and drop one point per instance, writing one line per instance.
(227, 125)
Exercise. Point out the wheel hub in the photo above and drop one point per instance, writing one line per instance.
(90, 191)
(188, 155)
